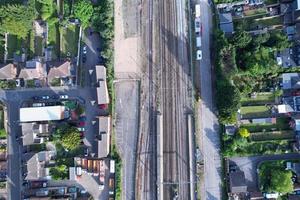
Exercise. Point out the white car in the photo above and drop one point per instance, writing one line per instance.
(63, 96)
(199, 55)
(84, 50)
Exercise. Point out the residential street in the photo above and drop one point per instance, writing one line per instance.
(249, 166)
(210, 140)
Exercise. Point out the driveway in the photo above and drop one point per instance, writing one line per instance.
(92, 41)
(249, 166)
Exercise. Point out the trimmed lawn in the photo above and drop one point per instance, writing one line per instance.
(259, 11)
(255, 111)
(69, 40)
(14, 44)
(270, 2)
(261, 99)
(273, 135)
(271, 21)
(53, 40)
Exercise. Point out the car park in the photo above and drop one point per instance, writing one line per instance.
(20, 83)
(55, 96)
(84, 58)
(36, 98)
(63, 96)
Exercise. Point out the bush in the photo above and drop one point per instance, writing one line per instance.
(59, 172)
(244, 132)
(68, 136)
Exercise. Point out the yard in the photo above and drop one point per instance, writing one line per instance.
(270, 2)
(251, 23)
(281, 124)
(261, 99)
(38, 47)
(255, 111)
(53, 40)
(69, 40)
(14, 44)
(273, 135)
(258, 11)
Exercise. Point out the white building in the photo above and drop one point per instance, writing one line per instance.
(38, 114)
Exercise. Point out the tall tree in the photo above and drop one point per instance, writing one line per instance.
(83, 10)
(281, 181)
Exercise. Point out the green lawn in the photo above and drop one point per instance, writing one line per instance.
(281, 124)
(258, 11)
(3, 134)
(261, 99)
(69, 40)
(53, 40)
(278, 20)
(38, 50)
(14, 44)
(273, 135)
(255, 111)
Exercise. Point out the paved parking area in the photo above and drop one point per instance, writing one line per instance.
(127, 128)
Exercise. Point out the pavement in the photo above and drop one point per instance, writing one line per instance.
(210, 140)
(126, 132)
(249, 166)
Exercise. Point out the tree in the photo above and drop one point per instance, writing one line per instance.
(83, 10)
(70, 138)
(244, 132)
(278, 40)
(241, 38)
(6, 84)
(281, 181)
(17, 19)
(59, 172)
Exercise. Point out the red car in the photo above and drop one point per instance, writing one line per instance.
(81, 134)
(81, 123)
(103, 106)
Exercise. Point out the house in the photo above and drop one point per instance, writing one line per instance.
(33, 69)
(8, 72)
(37, 165)
(46, 113)
(59, 70)
(103, 138)
(33, 133)
(102, 91)
(226, 24)
(295, 167)
(290, 81)
(237, 182)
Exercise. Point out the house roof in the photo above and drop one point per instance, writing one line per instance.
(102, 93)
(30, 132)
(237, 182)
(36, 165)
(104, 133)
(100, 73)
(47, 113)
(8, 71)
(226, 24)
(59, 70)
(284, 108)
(289, 80)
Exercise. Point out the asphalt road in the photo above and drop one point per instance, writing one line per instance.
(210, 140)
(249, 166)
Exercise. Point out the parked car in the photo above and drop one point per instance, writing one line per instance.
(20, 83)
(199, 55)
(63, 96)
(82, 118)
(81, 123)
(81, 129)
(55, 96)
(36, 98)
(45, 97)
(84, 49)
(38, 184)
(83, 58)
(82, 134)
(86, 151)
(103, 106)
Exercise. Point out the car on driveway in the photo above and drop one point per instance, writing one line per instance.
(63, 96)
